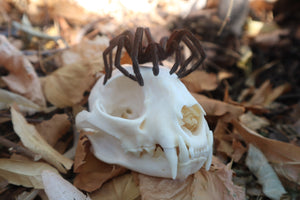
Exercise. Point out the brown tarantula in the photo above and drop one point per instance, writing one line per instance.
(154, 52)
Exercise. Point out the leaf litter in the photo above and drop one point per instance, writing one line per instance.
(246, 106)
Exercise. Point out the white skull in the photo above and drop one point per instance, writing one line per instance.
(158, 129)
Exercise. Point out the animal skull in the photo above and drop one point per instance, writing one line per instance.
(158, 129)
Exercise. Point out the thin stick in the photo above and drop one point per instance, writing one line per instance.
(226, 18)
(13, 147)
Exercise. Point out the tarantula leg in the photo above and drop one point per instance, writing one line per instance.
(135, 53)
(107, 66)
(190, 58)
(177, 60)
(154, 52)
(198, 46)
(196, 52)
(118, 60)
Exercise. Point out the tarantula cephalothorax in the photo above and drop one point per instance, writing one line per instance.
(154, 52)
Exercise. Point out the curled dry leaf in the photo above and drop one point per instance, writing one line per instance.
(8, 98)
(66, 86)
(36, 143)
(23, 172)
(259, 166)
(92, 173)
(202, 185)
(53, 129)
(253, 122)
(265, 95)
(283, 156)
(56, 187)
(119, 188)
(218, 108)
(22, 78)
(90, 50)
(200, 80)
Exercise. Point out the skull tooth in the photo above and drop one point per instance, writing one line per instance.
(192, 152)
(183, 151)
(172, 158)
(210, 139)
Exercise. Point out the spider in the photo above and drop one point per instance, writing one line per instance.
(154, 52)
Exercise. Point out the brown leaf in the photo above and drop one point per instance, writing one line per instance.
(119, 188)
(25, 173)
(199, 81)
(22, 78)
(86, 50)
(53, 129)
(66, 86)
(218, 108)
(36, 143)
(283, 156)
(92, 172)
(266, 95)
(225, 142)
(202, 185)
(154, 188)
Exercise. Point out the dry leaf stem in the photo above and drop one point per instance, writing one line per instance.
(15, 148)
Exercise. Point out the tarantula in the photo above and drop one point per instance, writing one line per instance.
(154, 52)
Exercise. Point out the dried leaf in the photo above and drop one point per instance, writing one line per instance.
(259, 166)
(33, 141)
(8, 98)
(199, 81)
(86, 50)
(225, 142)
(56, 187)
(266, 95)
(154, 188)
(202, 185)
(216, 184)
(284, 157)
(92, 172)
(218, 108)
(53, 129)
(120, 188)
(22, 78)
(23, 172)
(66, 86)
(253, 122)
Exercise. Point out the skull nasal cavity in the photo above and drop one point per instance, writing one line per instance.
(191, 117)
(123, 98)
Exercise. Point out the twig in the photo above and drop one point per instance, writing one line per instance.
(31, 31)
(13, 147)
(226, 19)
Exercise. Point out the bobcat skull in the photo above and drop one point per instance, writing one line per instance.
(158, 129)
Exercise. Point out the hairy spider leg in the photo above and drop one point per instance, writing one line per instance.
(127, 36)
(178, 36)
(138, 38)
(118, 58)
(173, 45)
(152, 46)
(193, 51)
(201, 52)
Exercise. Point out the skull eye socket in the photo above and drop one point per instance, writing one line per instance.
(123, 98)
(191, 118)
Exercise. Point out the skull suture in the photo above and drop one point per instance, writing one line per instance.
(158, 129)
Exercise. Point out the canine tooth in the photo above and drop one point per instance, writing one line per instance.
(183, 151)
(192, 152)
(209, 149)
(172, 158)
